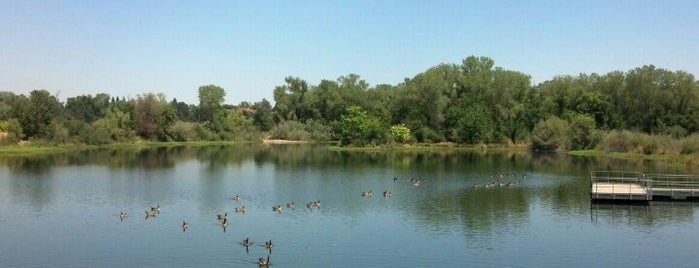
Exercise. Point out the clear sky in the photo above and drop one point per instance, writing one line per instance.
(127, 48)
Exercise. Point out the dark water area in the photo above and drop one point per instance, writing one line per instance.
(63, 210)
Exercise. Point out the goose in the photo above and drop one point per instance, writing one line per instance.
(122, 215)
(367, 193)
(240, 209)
(236, 198)
(268, 244)
(224, 224)
(290, 205)
(185, 225)
(150, 213)
(277, 208)
(246, 242)
(316, 203)
(387, 193)
(222, 216)
(263, 261)
(155, 208)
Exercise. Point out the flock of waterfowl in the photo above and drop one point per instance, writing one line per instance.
(499, 180)
(223, 220)
(495, 180)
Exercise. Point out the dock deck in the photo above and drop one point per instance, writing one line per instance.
(637, 186)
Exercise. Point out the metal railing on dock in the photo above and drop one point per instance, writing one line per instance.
(631, 185)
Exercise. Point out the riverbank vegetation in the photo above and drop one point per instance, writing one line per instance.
(646, 110)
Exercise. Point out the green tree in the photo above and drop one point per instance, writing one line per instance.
(42, 109)
(472, 123)
(153, 116)
(291, 101)
(358, 128)
(87, 108)
(236, 126)
(211, 99)
(263, 117)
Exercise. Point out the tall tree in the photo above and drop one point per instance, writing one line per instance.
(211, 99)
(43, 107)
(153, 116)
(88, 108)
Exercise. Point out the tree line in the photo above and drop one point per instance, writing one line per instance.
(469, 103)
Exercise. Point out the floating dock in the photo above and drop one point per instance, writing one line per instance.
(637, 186)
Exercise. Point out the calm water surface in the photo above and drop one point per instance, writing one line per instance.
(63, 211)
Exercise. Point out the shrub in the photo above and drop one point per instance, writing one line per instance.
(290, 130)
(581, 133)
(400, 133)
(184, 131)
(319, 131)
(690, 144)
(550, 134)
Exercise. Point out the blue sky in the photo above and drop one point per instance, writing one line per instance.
(127, 48)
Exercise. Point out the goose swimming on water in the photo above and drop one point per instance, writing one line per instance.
(263, 261)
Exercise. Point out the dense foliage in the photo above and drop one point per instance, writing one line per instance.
(472, 102)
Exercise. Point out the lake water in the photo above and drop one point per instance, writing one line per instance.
(62, 210)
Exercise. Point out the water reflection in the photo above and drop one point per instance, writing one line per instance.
(653, 214)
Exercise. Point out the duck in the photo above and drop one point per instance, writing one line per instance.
(263, 261)
(240, 209)
(277, 208)
(185, 225)
(222, 216)
(290, 205)
(268, 244)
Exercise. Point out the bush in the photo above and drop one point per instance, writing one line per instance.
(400, 133)
(617, 141)
(12, 130)
(690, 144)
(550, 134)
(184, 131)
(319, 131)
(581, 133)
(290, 130)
